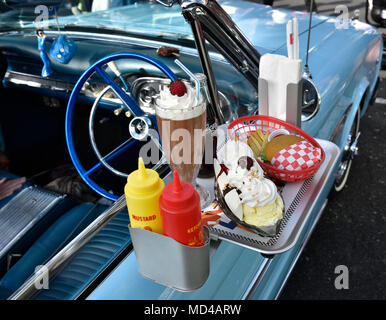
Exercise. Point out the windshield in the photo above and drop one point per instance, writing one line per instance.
(129, 16)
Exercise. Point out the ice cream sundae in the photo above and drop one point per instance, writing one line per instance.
(250, 196)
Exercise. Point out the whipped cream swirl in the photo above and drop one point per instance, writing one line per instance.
(237, 176)
(178, 108)
(258, 192)
(233, 150)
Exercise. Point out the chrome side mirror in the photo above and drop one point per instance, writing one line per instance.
(310, 98)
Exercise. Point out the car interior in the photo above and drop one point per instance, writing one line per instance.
(54, 205)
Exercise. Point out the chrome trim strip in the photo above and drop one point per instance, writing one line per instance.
(28, 287)
(210, 23)
(339, 127)
(134, 41)
(257, 279)
(301, 249)
(35, 81)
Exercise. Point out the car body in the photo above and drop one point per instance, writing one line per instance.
(344, 60)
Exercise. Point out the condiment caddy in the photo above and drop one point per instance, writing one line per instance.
(170, 243)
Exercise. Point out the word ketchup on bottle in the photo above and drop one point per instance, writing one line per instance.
(143, 190)
(181, 212)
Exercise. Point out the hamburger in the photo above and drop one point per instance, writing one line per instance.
(279, 143)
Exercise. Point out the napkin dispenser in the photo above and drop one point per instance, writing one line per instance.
(280, 88)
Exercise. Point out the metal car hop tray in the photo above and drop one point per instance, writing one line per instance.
(299, 199)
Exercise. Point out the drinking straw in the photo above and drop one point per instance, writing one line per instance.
(296, 38)
(192, 76)
(290, 47)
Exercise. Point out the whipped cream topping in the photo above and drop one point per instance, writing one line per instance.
(255, 190)
(237, 176)
(258, 192)
(233, 150)
(179, 108)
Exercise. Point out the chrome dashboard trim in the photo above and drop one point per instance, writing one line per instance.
(130, 40)
(35, 81)
(340, 125)
(148, 107)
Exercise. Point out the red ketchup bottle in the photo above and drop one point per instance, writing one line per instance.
(181, 212)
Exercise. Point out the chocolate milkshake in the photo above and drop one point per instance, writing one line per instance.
(181, 121)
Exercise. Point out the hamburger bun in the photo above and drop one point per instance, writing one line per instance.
(280, 143)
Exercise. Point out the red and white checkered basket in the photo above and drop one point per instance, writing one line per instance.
(295, 163)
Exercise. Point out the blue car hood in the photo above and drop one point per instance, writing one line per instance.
(264, 27)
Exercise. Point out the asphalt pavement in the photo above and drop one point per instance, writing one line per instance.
(352, 229)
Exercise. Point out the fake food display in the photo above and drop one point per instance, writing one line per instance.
(181, 212)
(258, 149)
(181, 112)
(284, 151)
(253, 200)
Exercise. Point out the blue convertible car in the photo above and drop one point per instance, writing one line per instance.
(72, 128)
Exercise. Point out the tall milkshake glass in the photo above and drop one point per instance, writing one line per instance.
(181, 123)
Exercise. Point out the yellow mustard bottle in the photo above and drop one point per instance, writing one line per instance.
(143, 190)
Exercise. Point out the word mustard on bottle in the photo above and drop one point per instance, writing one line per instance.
(143, 190)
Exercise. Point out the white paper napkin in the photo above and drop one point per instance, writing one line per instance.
(279, 71)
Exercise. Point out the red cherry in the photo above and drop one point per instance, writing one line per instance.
(178, 88)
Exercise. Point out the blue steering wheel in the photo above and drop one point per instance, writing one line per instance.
(128, 102)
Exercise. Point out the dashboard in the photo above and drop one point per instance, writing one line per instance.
(24, 68)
